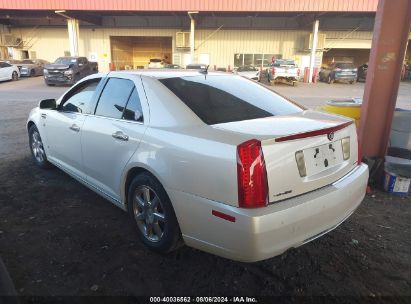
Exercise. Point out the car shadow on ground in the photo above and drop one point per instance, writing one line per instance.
(59, 238)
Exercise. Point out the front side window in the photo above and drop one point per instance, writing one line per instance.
(223, 98)
(114, 98)
(79, 99)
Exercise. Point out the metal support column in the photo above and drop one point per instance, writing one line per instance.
(391, 30)
(73, 31)
(314, 42)
(192, 35)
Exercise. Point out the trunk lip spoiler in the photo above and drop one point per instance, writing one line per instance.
(313, 133)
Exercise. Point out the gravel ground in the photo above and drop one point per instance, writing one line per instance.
(59, 238)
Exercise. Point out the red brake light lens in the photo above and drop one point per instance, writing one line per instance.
(251, 175)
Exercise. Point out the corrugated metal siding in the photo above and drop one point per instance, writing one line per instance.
(220, 47)
(197, 5)
(224, 44)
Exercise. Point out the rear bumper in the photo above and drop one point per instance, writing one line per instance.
(345, 77)
(24, 73)
(262, 233)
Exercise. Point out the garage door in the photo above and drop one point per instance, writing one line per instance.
(135, 52)
(356, 56)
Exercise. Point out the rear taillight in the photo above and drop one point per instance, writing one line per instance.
(251, 175)
(338, 70)
(298, 72)
(273, 71)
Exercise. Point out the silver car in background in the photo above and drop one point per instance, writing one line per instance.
(249, 72)
(32, 67)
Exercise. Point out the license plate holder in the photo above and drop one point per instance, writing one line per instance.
(321, 158)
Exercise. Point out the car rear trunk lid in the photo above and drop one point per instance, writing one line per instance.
(317, 136)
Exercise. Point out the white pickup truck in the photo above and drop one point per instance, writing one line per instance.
(283, 70)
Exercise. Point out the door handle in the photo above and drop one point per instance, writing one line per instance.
(75, 128)
(44, 116)
(120, 135)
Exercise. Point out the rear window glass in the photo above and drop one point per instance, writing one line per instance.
(345, 66)
(224, 98)
(283, 62)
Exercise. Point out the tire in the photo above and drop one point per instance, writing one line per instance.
(14, 76)
(32, 73)
(153, 214)
(37, 149)
(352, 81)
(330, 80)
(50, 84)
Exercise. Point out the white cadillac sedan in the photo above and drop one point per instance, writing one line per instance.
(212, 160)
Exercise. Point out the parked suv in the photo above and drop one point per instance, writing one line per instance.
(68, 70)
(339, 71)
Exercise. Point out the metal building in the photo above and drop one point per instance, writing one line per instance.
(127, 34)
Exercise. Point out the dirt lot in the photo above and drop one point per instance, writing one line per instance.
(59, 238)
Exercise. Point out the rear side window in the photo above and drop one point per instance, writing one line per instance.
(114, 98)
(133, 109)
(223, 98)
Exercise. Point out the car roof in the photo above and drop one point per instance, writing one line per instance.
(167, 73)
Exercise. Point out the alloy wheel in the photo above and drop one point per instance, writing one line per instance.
(149, 213)
(37, 147)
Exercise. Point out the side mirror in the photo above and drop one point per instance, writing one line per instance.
(48, 104)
